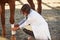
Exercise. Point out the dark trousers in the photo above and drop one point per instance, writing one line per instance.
(28, 32)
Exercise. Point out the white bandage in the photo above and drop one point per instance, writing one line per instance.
(13, 32)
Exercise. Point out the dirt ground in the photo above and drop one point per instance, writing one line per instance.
(51, 15)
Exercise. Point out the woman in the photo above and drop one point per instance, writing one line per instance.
(39, 26)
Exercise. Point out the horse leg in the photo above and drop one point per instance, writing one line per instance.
(20, 2)
(3, 19)
(31, 4)
(39, 9)
(12, 13)
(0, 10)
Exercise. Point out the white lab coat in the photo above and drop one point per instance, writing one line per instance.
(38, 24)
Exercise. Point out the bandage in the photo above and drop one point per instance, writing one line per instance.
(13, 32)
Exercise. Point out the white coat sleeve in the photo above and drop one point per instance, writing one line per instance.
(21, 22)
(27, 22)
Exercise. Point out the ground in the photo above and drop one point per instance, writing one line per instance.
(51, 13)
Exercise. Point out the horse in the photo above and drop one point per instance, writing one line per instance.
(12, 11)
(2, 13)
(31, 2)
(39, 9)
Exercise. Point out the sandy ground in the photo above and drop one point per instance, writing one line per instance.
(51, 13)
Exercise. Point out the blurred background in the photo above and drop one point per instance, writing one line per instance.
(50, 11)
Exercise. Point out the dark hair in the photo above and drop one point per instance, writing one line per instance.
(26, 8)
